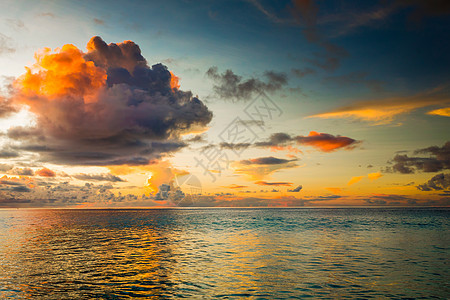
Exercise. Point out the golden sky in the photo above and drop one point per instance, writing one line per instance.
(282, 105)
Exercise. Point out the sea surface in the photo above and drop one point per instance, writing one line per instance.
(351, 253)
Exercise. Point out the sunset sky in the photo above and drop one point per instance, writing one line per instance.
(224, 103)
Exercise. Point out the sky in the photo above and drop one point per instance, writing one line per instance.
(247, 103)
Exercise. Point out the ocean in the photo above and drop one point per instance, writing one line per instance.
(225, 253)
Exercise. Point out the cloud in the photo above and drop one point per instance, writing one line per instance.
(322, 141)
(306, 14)
(444, 112)
(374, 176)
(64, 194)
(269, 160)
(230, 86)
(274, 183)
(21, 189)
(284, 142)
(98, 21)
(21, 172)
(437, 159)
(259, 123)
(199, 138)
(334, 190)
(229, 200)
(234, 146)
(300, 73)
(388, 199)
(7, 108)
(166, 192)
(235, 186)
(105, 106)
(44, 172)
(437, 183)
(46, 14)
(376, 201)
(383, 111)
(276, 139)
(259, 168)
(8, 153)
(5, 45)
(326, 142)
(296, 190)
(5, 167)
(98, 177)
(355, 179)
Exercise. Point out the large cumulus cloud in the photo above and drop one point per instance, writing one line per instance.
(106, 106)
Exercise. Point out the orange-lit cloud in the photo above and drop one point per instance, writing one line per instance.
(44, 172)
(106, 106)
(445, 112)
(383, 111)
(273, 183)
(355, 179)
(326, 142)
(158, 173)
(374, 176)
(288, 148)
(334, 190)
(60, 74)
(235, 186)
(174, 81)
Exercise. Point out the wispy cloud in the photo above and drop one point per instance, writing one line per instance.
(383, 111)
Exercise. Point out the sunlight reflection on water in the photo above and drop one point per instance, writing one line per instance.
(230, 253)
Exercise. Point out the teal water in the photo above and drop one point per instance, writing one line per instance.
(349, 253)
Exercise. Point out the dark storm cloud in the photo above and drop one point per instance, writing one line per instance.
(269, 160)
(437, 183)
(230, 86)
(121, 111)
(98, 177)
(437, 159)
